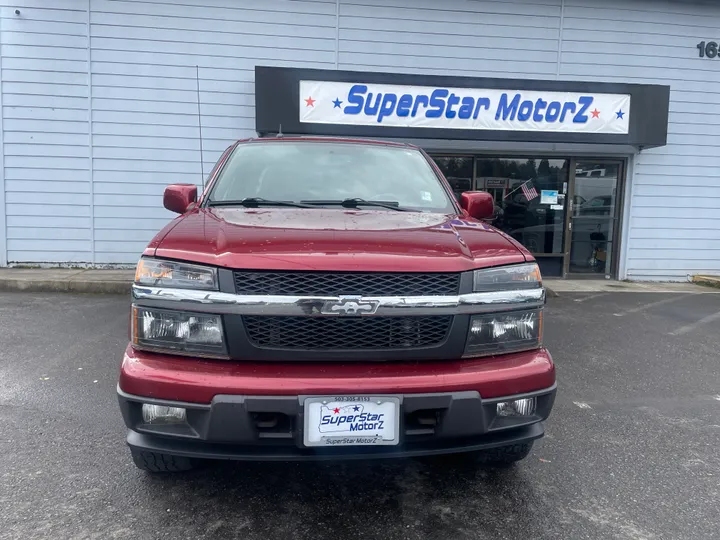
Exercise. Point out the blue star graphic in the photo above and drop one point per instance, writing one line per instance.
(620, 114)
(337, 103)
(356, 408)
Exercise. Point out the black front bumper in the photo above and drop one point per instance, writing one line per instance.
(262, 428)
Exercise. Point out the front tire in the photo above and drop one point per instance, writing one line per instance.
(160, 463)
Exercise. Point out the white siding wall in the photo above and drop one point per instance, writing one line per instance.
(144, 96)
(674, 224)
(482, 38)
(141, 57)
(145, 134)
(45, 131)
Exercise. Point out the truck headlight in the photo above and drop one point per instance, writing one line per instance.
(178, 332)
(507, 278)
(178, 275)
(499, 333)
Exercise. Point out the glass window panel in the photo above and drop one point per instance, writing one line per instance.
(535, 221)
(459, 172)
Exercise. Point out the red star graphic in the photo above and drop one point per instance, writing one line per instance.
(595, 113)
(309, 102)
(336, 410)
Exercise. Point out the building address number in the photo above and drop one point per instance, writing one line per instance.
(709, 49)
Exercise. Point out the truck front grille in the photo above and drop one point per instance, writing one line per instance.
(346, 333)
(346, 283)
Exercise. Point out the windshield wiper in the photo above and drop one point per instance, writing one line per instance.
(357, 202)
(254, 202)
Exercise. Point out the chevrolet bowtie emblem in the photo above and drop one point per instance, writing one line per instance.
(350, 305)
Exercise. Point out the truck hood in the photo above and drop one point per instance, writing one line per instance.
(337, 239)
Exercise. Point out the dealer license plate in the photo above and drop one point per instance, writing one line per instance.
(352, 421)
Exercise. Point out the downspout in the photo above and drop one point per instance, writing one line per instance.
(91, 176)
(560, 39)
(3, 208)
(337, 34)
(627, 217)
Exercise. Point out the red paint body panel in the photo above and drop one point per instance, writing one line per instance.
(198, 381)
(478, 204)
(337, 239)
(155, 242)
(178, 197)
(372, 142)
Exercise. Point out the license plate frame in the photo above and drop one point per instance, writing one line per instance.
(327, 435)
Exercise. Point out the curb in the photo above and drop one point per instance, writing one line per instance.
(707, 281)
(549, 292)
(49, 285)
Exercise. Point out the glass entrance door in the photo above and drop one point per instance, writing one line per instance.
(593, 223)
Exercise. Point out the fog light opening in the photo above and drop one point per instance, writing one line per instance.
(159, 414)
(517, 407)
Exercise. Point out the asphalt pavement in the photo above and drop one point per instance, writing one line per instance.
(631, 451)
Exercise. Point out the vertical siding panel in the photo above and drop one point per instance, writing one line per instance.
(646, 42)
(44, 106)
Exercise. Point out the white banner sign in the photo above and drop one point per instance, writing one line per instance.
(358, 104)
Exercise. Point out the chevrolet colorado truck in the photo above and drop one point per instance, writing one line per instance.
(330, 299)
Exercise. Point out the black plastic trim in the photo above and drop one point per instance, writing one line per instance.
(226, 429)
(241, 348)
(226, 280)
(192, 449)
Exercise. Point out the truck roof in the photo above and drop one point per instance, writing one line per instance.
(315, 138)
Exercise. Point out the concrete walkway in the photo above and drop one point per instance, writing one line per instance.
(66, 280)
(558, 287)
(118, 282)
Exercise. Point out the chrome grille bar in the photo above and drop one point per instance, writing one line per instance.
(220, 302)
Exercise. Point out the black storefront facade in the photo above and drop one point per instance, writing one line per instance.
(556, 155)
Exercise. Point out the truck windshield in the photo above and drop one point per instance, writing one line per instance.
(324, 174)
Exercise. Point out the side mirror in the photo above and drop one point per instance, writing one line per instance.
(479, 204)
(178, 197)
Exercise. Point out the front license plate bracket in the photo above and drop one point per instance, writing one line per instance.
(334, 421)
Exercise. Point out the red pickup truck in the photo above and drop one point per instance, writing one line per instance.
(329, 299)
